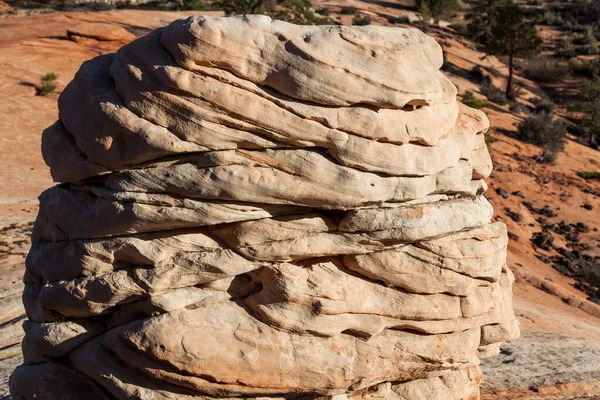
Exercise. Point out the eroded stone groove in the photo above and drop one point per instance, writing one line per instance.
(254, 209)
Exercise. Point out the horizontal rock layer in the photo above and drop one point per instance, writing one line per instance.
(254, 209)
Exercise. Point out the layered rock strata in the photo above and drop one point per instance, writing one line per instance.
(254, 209)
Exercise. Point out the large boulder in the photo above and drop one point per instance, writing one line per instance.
(253, 209)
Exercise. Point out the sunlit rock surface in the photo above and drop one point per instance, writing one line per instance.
(254, 209)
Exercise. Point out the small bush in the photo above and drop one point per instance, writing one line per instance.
(543, 130)
(489, 139)
(570, 26)
(587, 108)
(493, 93)
(546, 156)
(470, 100)
(590, 274)
(579, 39)
(545, 69)
(477, 73)
(586, 38)
(517, 107)
(402, 19)
(100, 6)
(565, 49)
(461, 29)
(553, 18)
(361, 20)
(188, 5)
(576, 14)
(585, 68)
(298, 12)
(588, 49)
(566, 53)
(543, 104)
(493, 71)
(348, 10)
(48, 86)
(589, 175)
(532, 12)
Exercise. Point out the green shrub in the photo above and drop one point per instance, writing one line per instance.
(552, 18)
(460, 29)
(543, 130)
(187, 5)
(575, 16)
(588, 50)
(588, 105)
(565, 48)
(566, 53)
(239, 7)
(584, 68)
(589, 175)
(587, 38)
(590, 273)
(361, 20)
(402, 19)
(48, 86)
(571, 26)
(298, 12)
(545, 70)
(547, 156)
(477, 73)
(489, 139)
(96, 6)
(493, 71)
(436, 9)
(470, 100)
(348, 10)
(543, 104)
(578, 39)
(517, 107)
(50, 76)
(493, 93)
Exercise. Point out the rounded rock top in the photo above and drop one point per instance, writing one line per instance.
(329, 65)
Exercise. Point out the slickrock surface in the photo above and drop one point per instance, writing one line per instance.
(253, 209)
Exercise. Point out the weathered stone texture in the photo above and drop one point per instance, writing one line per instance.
(254, 209)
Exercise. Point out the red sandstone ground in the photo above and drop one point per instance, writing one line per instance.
(558, 356)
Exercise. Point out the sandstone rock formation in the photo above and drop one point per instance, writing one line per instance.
(254, 209)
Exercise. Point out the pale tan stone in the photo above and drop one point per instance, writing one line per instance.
(328, 65)
(44, 341)
(251, 209)
(267, 357)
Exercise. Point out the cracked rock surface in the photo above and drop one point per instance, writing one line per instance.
(253, 209)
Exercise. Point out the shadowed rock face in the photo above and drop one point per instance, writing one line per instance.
(254, 209)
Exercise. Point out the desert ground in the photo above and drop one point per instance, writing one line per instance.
(558, 354)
